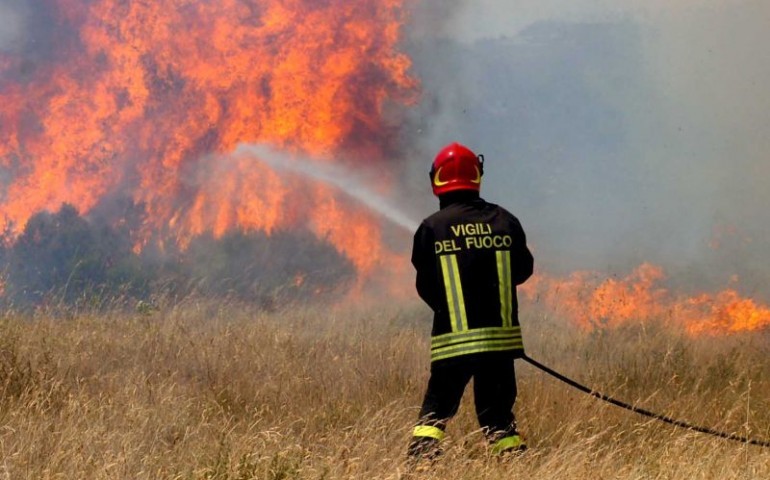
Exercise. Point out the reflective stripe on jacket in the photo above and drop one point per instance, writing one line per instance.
(469, 257)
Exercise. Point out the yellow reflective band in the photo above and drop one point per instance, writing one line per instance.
(437, 179)
(476, 347)
(490, 339)
(489, 333)
(507, 443)
(460, 296)
(450, 300)
(478, 176)
(428, 431)
(506, 292)
(454, 293)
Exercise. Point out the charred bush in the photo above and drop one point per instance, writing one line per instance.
(65, 259)
(267, 269)
(62, 256)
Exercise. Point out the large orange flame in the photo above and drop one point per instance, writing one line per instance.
(140, 97)
(595, 302)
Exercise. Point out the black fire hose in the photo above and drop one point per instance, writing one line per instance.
(642, 411)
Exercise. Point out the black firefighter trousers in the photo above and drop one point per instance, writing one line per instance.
(494, 392)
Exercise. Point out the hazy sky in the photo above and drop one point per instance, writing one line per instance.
(618, 131)
(10, 24)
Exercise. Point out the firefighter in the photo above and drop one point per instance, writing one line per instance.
(469, 257)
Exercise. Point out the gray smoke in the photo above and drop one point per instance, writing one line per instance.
(30, 34)
(618, 132)
(11, 25)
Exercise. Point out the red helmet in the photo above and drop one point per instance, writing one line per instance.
(456, 167)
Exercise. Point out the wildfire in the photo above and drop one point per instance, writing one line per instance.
(593, 302)
(146, 99)
(141, 99)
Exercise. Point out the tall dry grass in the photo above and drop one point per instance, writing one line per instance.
(221, 391)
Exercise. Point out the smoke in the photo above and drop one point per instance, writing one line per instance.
(11, 25)
(618, 132)
(30, 35)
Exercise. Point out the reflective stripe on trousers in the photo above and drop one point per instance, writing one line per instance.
(428, 431)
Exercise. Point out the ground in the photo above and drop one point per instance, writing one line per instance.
(218, 390)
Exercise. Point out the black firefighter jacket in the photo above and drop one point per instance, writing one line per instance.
(469, 256)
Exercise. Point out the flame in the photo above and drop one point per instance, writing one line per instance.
(724, 312)
(591, 301)
(143, 99)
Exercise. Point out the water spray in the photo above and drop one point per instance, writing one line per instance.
(333, 175)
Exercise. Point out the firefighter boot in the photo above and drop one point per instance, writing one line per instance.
(508, 446)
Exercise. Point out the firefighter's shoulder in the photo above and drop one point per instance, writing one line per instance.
(505, 213)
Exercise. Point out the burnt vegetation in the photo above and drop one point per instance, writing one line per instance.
(63, 259)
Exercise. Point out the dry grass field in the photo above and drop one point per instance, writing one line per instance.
(222, 391)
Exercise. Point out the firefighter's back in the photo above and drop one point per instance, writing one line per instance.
(480, 256)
